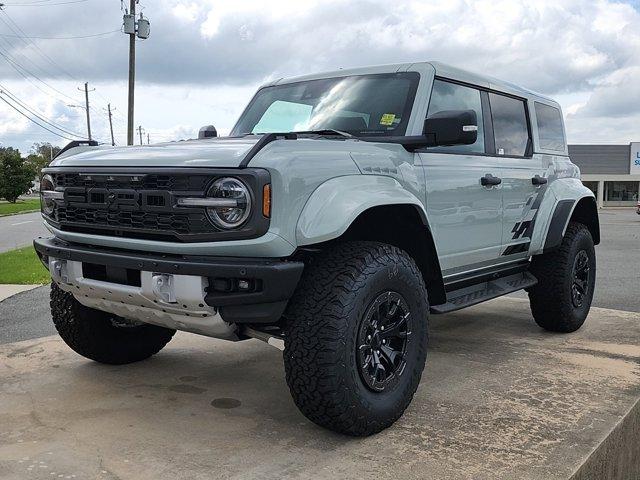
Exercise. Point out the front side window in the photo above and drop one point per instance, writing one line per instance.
(510, 127)
(550, 131)
(378, 104)
(451, 96)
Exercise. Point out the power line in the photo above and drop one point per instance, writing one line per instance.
(15, 99)
(30, 37)
(25, 72)
(29, 42)
(32, 120)
(20, 68)
(39, 4)
(16, 66)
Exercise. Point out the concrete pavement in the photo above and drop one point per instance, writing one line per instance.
(20, 230)
(499, 399)
(618, 259)
(7, 291)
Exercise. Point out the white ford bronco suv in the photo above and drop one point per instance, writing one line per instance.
(343, 209)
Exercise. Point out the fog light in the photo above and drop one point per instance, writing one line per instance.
(243, 285)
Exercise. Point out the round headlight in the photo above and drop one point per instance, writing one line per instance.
(239, 202)
(46, 201)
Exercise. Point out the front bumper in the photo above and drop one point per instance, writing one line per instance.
(122, 282)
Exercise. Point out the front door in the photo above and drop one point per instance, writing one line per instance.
(465, 216)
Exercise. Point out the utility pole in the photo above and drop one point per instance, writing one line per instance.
(141, 29)
(140, 133)
(113, 142)
(132, 74)
(86, 98)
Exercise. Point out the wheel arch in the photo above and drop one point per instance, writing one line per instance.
(582, 210)
(585, 211)
(566, 200)
(405, 226)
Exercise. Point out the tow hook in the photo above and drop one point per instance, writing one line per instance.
(163, 287)
(59, 271)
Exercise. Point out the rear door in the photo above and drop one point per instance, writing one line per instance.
(522, 173)
(465, 216)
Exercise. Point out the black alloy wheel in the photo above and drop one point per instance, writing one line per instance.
(382, 341)
(580, 277)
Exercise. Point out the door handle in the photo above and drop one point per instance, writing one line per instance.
(489, 180)
(538, 180)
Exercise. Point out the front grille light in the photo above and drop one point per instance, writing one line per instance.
(228, 203)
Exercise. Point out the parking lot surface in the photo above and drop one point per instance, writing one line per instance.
(499, 399)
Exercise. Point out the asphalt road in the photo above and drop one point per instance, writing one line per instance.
(26, 315)
(19, 230)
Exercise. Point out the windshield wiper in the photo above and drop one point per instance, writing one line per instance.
(325, 131)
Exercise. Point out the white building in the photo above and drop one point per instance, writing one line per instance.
(612, 172)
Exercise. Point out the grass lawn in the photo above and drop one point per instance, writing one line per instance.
(29, 204)
(22, 267)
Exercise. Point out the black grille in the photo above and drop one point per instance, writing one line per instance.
(144, 205)
(132, 203)
(183, 224)
(147, 182)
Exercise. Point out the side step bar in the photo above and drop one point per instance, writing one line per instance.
(481, 292)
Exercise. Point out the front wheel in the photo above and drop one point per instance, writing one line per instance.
(561, 299)
(102, 336)
(356, 338)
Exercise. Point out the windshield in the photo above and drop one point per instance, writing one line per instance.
(377, 104)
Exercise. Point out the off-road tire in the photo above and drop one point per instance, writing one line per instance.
(323, 319)
(95, 335)
(551, 300)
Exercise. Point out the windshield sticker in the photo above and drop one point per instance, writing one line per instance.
(388, 119)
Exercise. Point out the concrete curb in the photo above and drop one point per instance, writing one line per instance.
(617, 457)
(18, 213)
(7, 291)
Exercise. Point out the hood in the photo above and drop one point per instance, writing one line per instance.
(213, 152)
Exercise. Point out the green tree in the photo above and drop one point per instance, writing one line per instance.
(15, 175)
(40, 156)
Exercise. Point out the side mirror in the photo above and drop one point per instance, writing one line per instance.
(207, 132)
(452, 127)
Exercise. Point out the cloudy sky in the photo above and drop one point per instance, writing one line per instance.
(205, 58)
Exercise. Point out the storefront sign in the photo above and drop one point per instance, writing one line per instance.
(635, 158)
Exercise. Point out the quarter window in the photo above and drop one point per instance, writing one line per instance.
(451, 96)
(510, 128)
(550, 131)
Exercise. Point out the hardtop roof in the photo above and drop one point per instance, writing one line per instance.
(441, 69)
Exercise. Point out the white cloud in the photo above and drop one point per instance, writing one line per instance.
(205, 58)
(186, 11)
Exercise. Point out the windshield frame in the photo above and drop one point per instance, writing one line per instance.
(400, 130)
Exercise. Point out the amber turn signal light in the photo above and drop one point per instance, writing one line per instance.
(266, 200)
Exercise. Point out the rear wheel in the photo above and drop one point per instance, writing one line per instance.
(356, 338)
(561, 300)
(102, 336)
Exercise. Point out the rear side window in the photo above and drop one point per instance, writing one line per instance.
(451, 96)
(510, 127)
(550, 131)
